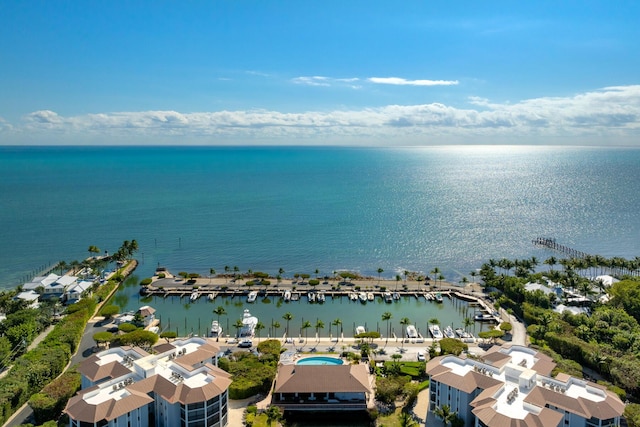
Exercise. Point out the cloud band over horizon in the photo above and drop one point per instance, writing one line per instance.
(599, 115)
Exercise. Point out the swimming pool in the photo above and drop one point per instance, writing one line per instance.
(319, 360)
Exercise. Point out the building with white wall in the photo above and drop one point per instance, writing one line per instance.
(513, 386)
(178, 385)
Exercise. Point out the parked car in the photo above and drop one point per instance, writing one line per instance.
(421, 357)
(245, 344)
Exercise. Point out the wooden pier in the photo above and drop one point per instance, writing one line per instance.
(211, 293)
(550, 243)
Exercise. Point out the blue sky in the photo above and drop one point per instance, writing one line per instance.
(309, 72)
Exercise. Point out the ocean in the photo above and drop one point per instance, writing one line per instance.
(307, 208)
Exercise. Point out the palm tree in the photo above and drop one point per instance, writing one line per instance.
(404, 322)
(585, 287)
(62, 265)
(259, 327)
(288, 317)
(226, 273)
(386, 316)
(551, 261)
(406, 273)
(445, 414)
(473, 275)
(435, 272)
(380, 271)
(405, 419)
(273, 414)
(212, 271)
(75, 264)
(219, 311)
(306, 325)
(319, 325)
(467, 322)
(238, 325)
(275, 325)
(397, 281)
(337, 322)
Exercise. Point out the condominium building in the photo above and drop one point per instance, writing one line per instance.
(513, 386)
(179, 384)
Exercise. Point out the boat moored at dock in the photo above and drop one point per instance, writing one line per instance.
(216, 329)
(435, 331)
(411, 331)
(249, 323)
(448, 332)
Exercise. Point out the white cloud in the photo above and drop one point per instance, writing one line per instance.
(607, 116)
(312, 81)
(349, 82)
(404, 82)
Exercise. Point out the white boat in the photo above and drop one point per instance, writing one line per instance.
(448, 332)
(311, 296)
(216, 329)
(360, 330)
(353, 296)
(396, 296)
(362, 296)
(287, 295)
(194, 295)
(252, 296)
(211, 296)
(370, 296)
(483, 317)
(249, 323)
(387, 297)
(438, 297)
(295, 296)
(411, 331)
(464, 335)
(320, 297)
(436, 333)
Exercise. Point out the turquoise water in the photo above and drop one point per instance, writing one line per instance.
(186, 317)
(302, 209)
(319, 360)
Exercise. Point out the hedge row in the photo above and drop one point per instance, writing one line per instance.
(49, 403)
(36, 368)
(40, 366)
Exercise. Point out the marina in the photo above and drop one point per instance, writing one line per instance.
(332, 312)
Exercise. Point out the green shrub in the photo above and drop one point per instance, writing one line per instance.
(146, 282)
(108, 311)
(169, 335)
(127, 327)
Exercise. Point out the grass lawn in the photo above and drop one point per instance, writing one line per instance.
(389, 420)
(413, 369)
(260, 421)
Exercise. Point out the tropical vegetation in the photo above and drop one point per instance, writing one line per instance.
(605, 337)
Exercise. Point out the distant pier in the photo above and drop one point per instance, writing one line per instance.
(550, 243)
